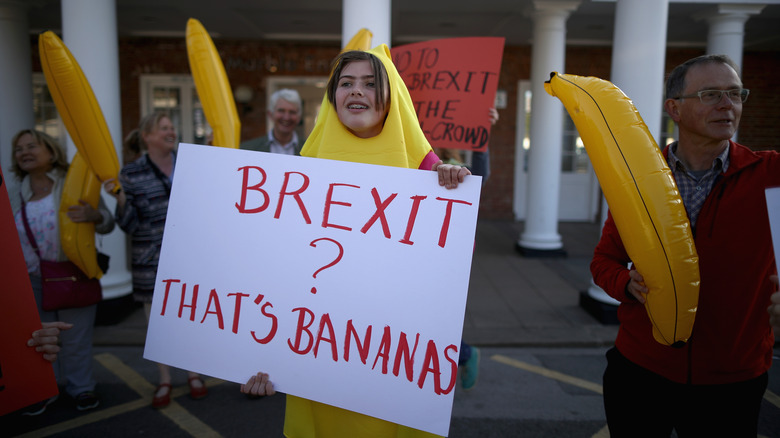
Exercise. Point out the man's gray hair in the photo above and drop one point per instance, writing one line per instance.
(287, 94)
(675, 83)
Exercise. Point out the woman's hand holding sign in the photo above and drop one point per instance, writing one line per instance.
(258, 385)
(450, 175)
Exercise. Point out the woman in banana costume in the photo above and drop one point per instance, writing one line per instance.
(39, 163)
(368, 118)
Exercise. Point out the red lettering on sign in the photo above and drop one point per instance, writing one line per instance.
(329, 201)
(431, 365)
(245, 187)
(300, 329)
(362, 347)
(237, 309)
(384, 350)
(168, 283)
(274, 321)
(412, 217)
(194, 301)
(331, 339)
(402, 353)
(296, 194)
(445, 226)
(213, 298)
(453, 367)
(380, 213)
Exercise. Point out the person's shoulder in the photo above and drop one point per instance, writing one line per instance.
(740, 150)
(133, 166)
(742, 156)
(136, 169)
(299, 146)
(257, 144)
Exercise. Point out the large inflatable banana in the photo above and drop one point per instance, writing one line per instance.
(96, 159)
(213, 86)
(78, 238)
(642, 197)
(78, 107)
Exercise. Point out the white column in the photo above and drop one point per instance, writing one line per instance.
(16, 105)
(375, 15)
(90, 32)
(638, 62)
(544, 166)
(727, 29)
(639, 57)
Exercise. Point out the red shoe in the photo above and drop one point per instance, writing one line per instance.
(197, 393)
(163, 400)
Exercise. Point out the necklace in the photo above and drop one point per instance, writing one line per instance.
(43, 188)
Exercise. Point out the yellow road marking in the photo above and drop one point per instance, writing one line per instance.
(94, 417)
(603, 433)
(175, 412)
(135, 381)
(770, 396)
(549, 373)
(773, 398)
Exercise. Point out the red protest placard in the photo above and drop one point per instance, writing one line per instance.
(453, 83)
(25, 377)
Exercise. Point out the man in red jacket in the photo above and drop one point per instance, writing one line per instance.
(713, 385)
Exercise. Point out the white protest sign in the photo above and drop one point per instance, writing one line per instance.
(773, 205)
(346, 282)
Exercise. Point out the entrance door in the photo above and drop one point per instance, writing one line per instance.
(579, 190)
(176, 95)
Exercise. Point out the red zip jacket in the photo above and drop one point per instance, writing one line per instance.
(732, 339)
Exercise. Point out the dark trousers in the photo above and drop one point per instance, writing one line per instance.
(639, 403)
(480, 164)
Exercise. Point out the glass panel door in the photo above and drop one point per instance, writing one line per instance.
(177, 96)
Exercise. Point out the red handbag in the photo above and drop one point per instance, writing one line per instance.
(63, 286)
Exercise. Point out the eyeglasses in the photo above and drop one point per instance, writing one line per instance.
(711, 97)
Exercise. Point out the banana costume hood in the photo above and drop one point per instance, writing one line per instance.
(400, 144)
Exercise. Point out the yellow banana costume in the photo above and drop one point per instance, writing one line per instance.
(213, 86)
(78, 238)
(643, 199)
(401, 144)
(96, 159)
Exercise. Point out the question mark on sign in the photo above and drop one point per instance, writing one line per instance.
(341, 253)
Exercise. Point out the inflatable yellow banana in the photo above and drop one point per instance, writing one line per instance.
(361, 40)
(643, 199)
(78, 107)
(213, 86)
(96, 159)
(78, 238)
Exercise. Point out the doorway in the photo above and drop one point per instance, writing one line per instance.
(579, 189)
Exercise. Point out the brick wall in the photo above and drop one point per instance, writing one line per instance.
(251, 63)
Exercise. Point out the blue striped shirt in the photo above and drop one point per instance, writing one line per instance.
(695, 186)
(143, 218)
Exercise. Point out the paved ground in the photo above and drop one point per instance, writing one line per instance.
(542, 360)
